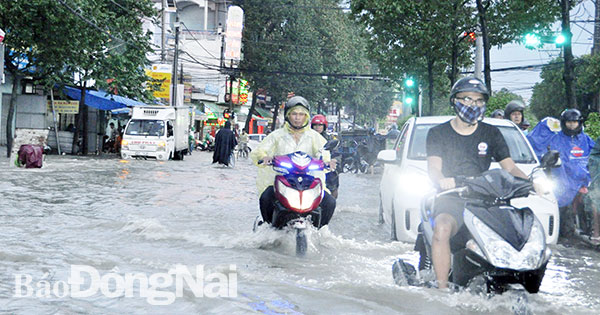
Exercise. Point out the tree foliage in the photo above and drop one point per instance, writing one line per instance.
(50, 42)
(70, 42)
(592, 126)
(500, 99)
(548, 98)
(287, 39)
(421, 39)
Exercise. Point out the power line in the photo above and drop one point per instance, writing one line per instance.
(194, 37)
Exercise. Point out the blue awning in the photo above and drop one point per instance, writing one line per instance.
(101, 100)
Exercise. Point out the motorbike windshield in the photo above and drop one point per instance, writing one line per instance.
(517, 145)
(143, 127)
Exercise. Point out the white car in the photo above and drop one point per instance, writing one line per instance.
(254, 139)
(405, 180)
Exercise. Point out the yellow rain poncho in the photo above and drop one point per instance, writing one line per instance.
(281, 142)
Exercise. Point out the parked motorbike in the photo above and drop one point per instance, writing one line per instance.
(206, 145)
(499, 247)
(298, 195)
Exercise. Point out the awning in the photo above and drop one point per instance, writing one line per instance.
(263, 112)
(100, 99)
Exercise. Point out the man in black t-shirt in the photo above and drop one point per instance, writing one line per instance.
(463, 146)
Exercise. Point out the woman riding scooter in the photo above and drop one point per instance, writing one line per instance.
(332, 181)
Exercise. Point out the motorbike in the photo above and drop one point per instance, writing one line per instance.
(206, 145)
(332, 177)
(298, 195)
(499, 247)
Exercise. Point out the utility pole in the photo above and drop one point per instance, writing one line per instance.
(479, 56)
(174, 80)
(568, 75)
(481, 10)
(163, 34)
(596, 48)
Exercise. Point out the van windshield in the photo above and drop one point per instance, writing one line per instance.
(143, 127)
(517, 145)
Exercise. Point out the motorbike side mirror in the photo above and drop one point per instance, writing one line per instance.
(550, 159)
(387, 156)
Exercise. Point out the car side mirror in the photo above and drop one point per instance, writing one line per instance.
(550, 159)
(387, 156)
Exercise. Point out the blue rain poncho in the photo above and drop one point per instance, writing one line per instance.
(574, 152)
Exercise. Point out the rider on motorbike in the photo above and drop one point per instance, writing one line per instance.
(319, 124)
(295, 135)
(572, 176)
(463, 146)
(514, 112)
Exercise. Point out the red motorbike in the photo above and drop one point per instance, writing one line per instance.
(298, 195)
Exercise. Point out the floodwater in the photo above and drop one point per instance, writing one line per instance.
(146, 218)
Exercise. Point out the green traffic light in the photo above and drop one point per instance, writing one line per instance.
(408, 100)
(532, 40)
(560, 39)
(409, 82)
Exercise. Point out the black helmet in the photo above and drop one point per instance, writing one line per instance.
(293, 102)
(571, 115)
(469, 84)
(497, 112)
(513, 106)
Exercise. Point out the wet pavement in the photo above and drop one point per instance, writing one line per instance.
(146, 217)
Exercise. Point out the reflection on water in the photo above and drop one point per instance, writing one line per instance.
(128, 216)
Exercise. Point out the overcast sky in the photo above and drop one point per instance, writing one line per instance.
(521, 82)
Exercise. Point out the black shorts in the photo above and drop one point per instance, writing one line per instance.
(450, 204)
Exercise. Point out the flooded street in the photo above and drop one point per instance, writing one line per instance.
(146, 217)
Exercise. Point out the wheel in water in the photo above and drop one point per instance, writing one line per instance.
(301, 243)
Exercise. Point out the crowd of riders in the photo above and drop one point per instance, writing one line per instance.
(576, 180)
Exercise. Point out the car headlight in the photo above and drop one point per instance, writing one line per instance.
(415, 184)
(502, 255)
(546, 184)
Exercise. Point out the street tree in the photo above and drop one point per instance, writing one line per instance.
(506, 21)
(306, 49)
(549, 97)
(420, 39)
(59, 42)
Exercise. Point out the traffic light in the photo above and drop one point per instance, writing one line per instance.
(227, 114)
(470, 36)
(532, 40)
(411, 93)
(560, 40)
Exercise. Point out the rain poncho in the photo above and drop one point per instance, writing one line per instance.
(281, 142)
(574, 152)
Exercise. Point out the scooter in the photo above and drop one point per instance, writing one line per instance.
(298, 195)
(499, 247)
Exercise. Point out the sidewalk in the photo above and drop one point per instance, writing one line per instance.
(3, 157)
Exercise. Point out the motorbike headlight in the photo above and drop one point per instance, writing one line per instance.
(502, 255)
(310, 195)
(291, 195)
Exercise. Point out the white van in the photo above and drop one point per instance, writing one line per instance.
(158, 132)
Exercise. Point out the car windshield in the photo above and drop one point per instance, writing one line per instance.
(143, 127)
(517, 145)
